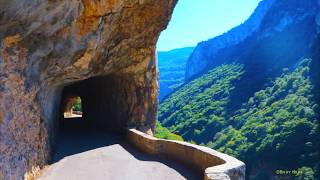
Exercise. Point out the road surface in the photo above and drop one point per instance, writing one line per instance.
(83, 154)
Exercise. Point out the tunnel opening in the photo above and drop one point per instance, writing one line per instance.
(90, 110)
(100, 102)
(72, 107)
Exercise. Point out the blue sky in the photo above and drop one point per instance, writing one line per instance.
(194, 21)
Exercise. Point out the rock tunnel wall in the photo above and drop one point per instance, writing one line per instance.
(47, 45)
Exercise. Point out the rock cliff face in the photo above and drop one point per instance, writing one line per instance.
(207, 50)
(47, 45)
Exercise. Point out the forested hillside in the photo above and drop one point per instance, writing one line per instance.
(277, 128)
(163, 133)
(199, 108)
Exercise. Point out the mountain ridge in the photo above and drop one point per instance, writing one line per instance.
(209, 48)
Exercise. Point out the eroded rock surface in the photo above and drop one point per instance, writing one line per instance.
(48, 44)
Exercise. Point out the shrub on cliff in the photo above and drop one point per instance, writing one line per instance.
(164, 133)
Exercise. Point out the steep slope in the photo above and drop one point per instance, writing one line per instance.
(287, 33)
(172, 68)
(199, 107)
(277, 128)
(207, 50)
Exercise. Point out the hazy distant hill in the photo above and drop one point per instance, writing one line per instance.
(172, 66)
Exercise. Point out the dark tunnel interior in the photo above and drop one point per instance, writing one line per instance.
(104, 104)
(105, 112)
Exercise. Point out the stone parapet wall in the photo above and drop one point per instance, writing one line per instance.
(215, 165)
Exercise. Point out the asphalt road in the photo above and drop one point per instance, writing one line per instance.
(83, 154)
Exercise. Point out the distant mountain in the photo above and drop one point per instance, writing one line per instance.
(172, 66)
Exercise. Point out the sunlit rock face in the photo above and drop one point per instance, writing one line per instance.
(207, 50)
(47, 45)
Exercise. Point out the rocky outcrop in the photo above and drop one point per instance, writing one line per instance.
(207, 50)
(48, 45)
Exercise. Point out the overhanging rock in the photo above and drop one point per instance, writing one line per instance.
(47, 45)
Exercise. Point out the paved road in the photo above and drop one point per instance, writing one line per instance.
(92, 155)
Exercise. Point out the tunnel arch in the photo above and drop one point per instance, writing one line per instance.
(106, 101)
(112, 102)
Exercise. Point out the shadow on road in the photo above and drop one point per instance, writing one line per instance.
(77, 136)
(185, 171)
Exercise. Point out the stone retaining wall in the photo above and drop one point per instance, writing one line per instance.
(215, 165)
